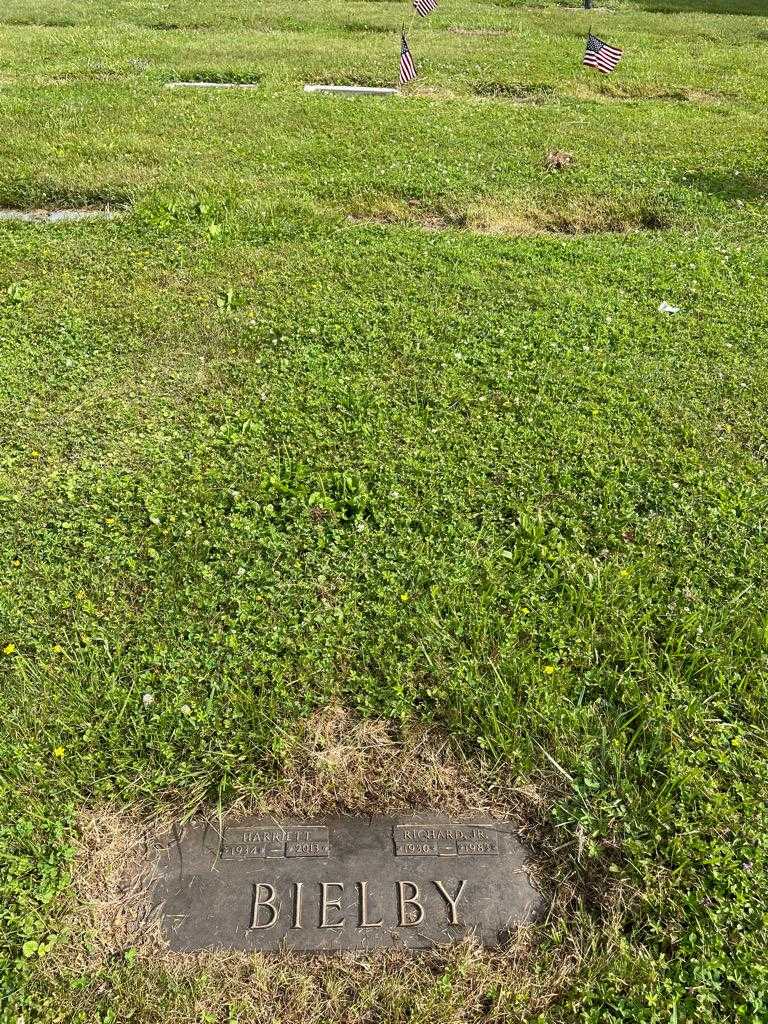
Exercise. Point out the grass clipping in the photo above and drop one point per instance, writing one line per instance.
(337, 765)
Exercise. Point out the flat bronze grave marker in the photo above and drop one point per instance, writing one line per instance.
(343, 884)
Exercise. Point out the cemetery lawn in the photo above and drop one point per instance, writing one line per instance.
(356, 403)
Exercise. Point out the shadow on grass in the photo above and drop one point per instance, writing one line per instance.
(520, 92)
(219, 77)
(361, 26)
(365, 81)
(40, 23)
(730, 187)
(32, 195)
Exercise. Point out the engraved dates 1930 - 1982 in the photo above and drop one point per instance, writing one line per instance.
(445, 840)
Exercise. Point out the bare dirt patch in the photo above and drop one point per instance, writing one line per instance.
(339, 764)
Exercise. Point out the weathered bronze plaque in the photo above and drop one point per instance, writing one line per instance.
(343, 883)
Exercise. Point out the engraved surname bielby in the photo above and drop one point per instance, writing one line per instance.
(410, 904)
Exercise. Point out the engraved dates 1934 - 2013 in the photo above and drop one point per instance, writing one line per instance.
(260, 843)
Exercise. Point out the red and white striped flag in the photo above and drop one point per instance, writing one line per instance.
(600, 55)
(407, 67)
(424, 7)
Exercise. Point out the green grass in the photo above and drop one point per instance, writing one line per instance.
(256, 457)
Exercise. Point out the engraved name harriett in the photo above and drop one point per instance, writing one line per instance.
(260, 843)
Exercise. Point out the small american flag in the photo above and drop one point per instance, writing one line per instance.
(424, 7)
(407, 67)
(600, 55)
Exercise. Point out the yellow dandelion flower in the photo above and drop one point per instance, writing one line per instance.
(9, 649)
(549, 670)
(58, 751)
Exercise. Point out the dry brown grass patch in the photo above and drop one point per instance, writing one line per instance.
(345, 765)
(113, 877)
(487, 218)
(534, 93)
(338, 764)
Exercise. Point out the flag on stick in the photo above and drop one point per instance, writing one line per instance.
(600, 55)
(424, 7)
(407, 67)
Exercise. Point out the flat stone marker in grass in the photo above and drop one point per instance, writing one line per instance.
(212, 85)
(343, 884)
(354, 90)
(57, 216)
